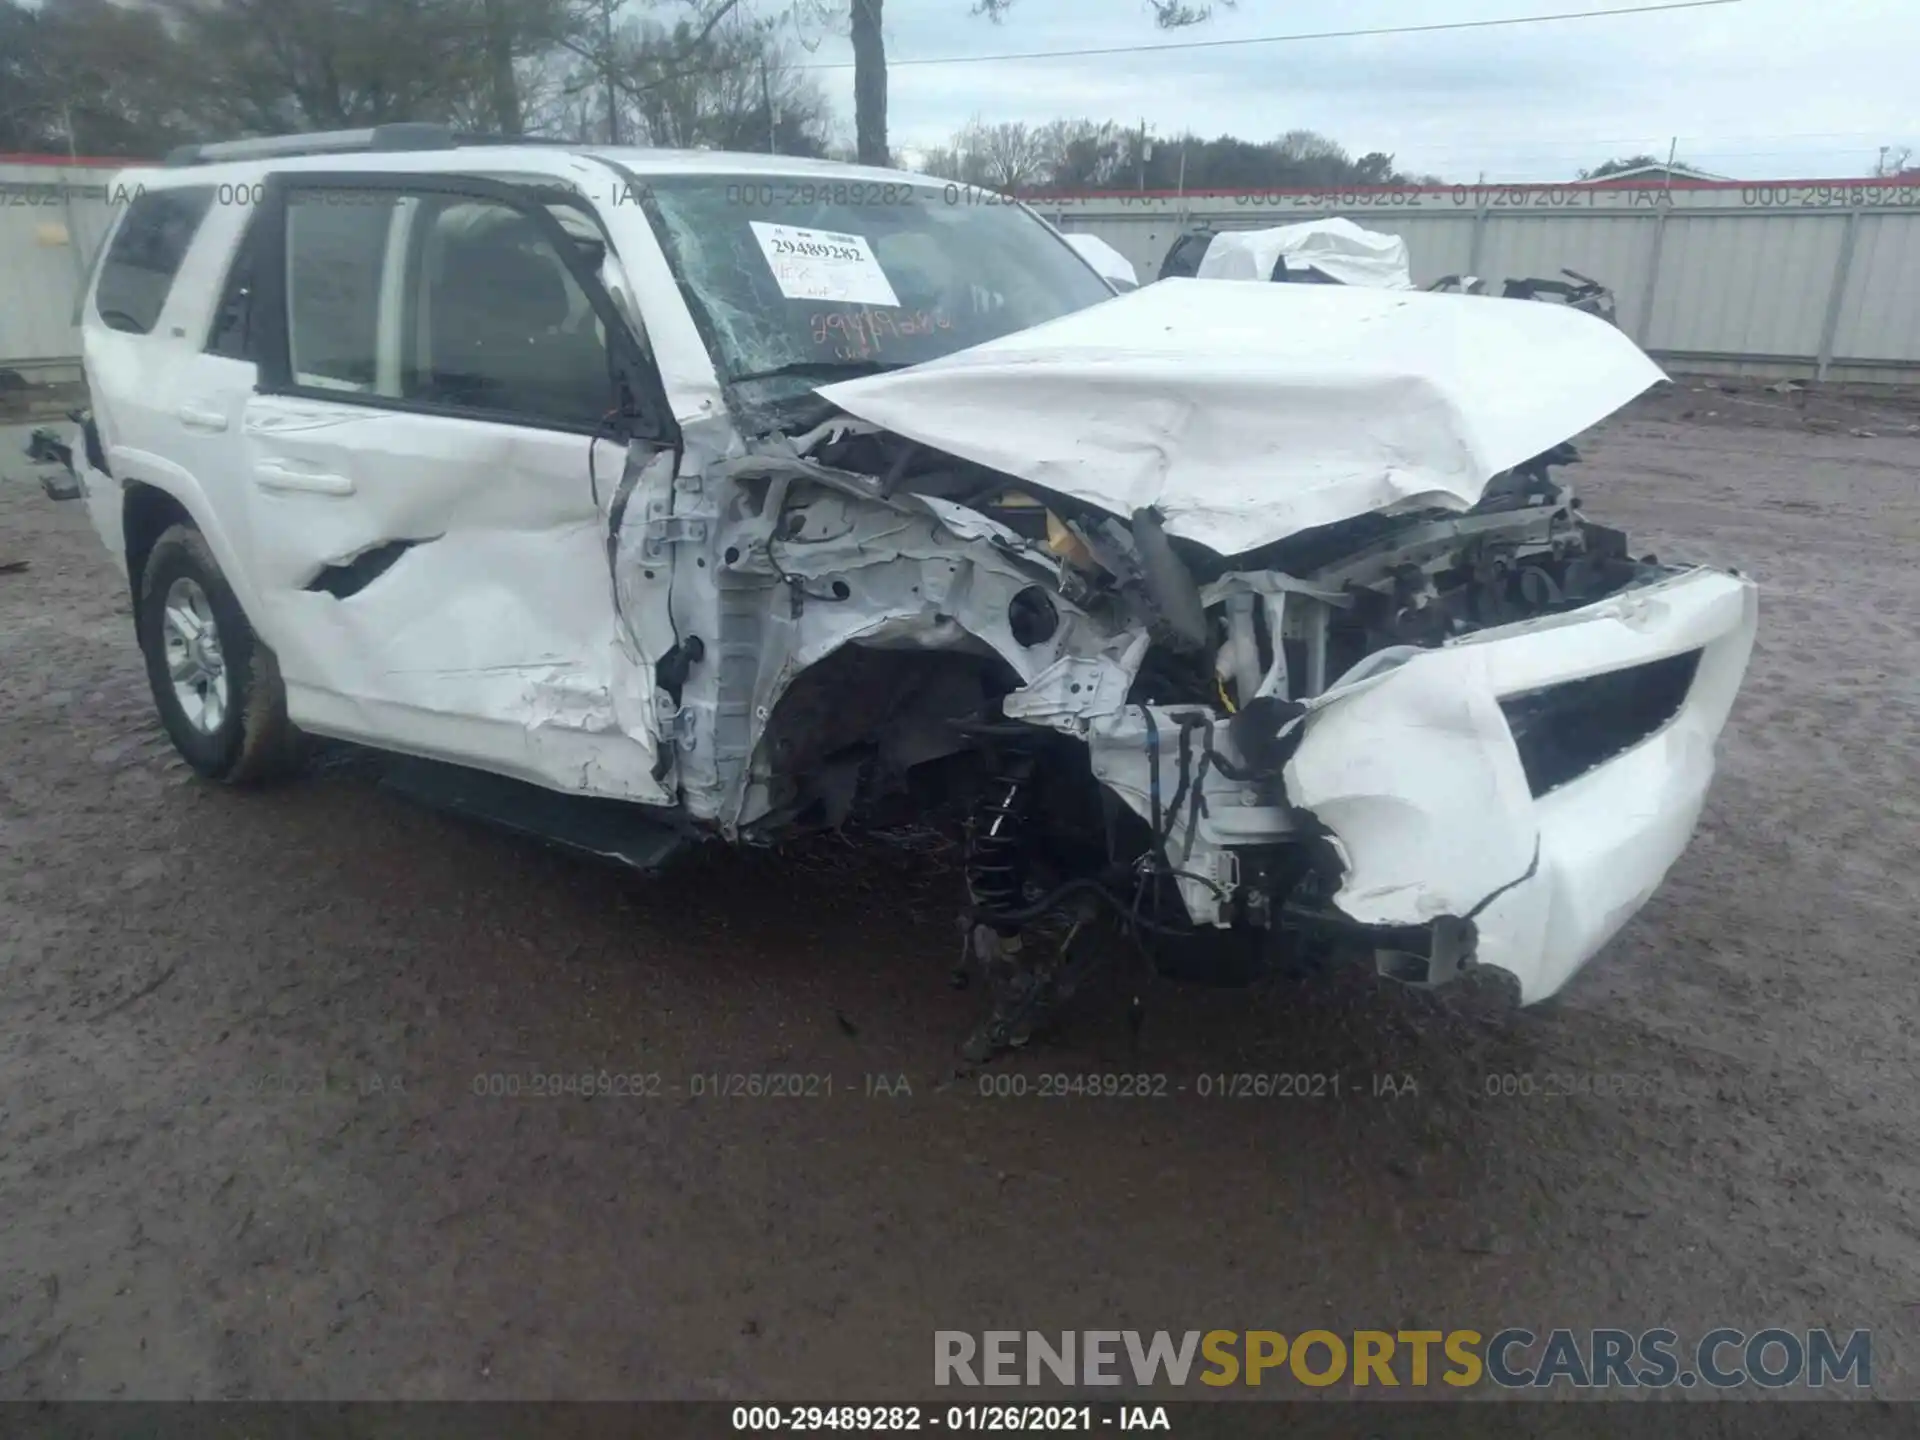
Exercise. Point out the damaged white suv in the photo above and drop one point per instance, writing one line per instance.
(641, 497)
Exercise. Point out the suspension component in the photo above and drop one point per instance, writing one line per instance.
(997, 845)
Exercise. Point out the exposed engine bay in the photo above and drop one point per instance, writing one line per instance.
(1287, 640)
(1139, 776)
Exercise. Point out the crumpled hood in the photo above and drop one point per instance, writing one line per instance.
(1245, 412)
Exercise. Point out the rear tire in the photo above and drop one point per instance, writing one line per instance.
(216, 686)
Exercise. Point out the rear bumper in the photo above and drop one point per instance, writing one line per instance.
(1416, 775)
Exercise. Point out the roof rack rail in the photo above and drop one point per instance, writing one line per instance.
(479, 138)
(410, 135)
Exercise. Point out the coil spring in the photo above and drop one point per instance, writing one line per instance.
(996, 846)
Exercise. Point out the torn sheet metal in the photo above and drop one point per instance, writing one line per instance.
(1339, 249)
(1414, 772)
(1246, 413)
(489, 636)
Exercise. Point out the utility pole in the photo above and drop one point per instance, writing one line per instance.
(608, 71)
(1143, 153)
(766, 99)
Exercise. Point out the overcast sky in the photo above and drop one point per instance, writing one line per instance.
(1756, 89)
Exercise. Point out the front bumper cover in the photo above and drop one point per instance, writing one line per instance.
(1415, 775)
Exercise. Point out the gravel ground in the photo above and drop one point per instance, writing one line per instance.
(241, 1152)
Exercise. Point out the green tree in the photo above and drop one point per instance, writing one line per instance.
(90, 77)
(1630, 162)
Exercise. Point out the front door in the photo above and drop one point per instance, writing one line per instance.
(445, 389)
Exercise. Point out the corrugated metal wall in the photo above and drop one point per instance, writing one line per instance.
(1769, 277)
(52, 219)
(1772, 278)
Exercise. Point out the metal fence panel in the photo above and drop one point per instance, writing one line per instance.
(52, 220)
(1767, 277)
(1752, 286)
(1614, 249)
(1879, 313)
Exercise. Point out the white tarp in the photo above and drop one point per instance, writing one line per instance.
(1248, 412)
(1111, 264)
(1338, 249)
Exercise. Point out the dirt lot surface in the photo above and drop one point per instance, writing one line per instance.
(241, 1036)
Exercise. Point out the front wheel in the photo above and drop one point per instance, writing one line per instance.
(217, 687)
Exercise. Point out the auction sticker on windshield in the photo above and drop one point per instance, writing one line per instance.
(823, 265)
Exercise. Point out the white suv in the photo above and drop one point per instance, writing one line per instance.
(650, 497)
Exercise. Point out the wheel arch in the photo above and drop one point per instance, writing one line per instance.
(156, 495)
(147, 512)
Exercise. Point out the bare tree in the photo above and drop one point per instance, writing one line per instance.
(594, 31)
(1078, 155)
(1083, 154)
(1894, 160)
(870, 59)
(1167, 14)
(748, 96)
(730, 85)
(1008, 156)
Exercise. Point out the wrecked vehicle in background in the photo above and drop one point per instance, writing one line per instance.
(1314, 252)
(1338, 252)
(1577, 291)
(641, 498)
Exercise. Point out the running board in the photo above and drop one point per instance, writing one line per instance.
(616, 830)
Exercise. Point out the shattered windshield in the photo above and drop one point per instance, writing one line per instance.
(800, 282)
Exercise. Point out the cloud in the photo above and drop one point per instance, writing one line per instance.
(1760, 88)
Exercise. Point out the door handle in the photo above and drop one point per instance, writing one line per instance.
(281, 475)
(202, 417)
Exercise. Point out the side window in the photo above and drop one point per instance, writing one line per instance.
(496, 320)
(442, 300)
(145, 256)
(336, 259)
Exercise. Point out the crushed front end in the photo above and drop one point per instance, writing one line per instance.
(1423, 712)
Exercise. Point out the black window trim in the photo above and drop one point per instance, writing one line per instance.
(245, 252)
(86, 303)
(645, 412)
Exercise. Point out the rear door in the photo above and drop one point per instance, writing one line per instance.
(135, 337)
(429, 461)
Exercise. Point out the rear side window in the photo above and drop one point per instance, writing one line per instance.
(145, 256)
